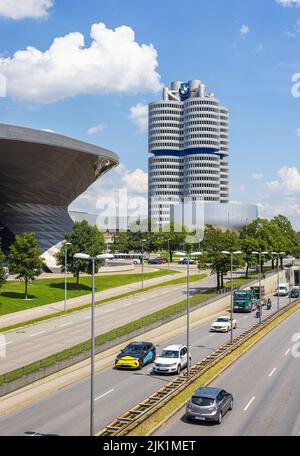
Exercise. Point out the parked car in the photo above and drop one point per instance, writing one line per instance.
(171, 360)
(136, 355)
(295, 293)
(223, 324)
(186, 261)
(209, 404)
(153, 261)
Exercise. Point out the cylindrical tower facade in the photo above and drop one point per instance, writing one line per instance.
(189, 140)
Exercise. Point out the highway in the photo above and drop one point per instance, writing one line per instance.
(66, 412)
(29, 344)
(266, 389)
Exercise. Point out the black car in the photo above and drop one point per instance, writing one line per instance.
(136, 355)
(295, 293)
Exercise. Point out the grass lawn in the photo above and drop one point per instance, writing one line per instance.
(47, 291)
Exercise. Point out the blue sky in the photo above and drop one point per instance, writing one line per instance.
(246, 52)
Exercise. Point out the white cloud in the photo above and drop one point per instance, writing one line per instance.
(257, 176)
(136, 182)
(244, 30)
(22, 9)
(106, 191)
(288, 3)
(114, 62)
(289, 181)
(97, 129)
(139, 116)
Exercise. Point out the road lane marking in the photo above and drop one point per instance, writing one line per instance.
(37, 334)
(5, 343)
(105, 394)
(273, 372)
(249, 403)
(87, 318)
(246, 316)
(107, 311)
(66, 324)
(287, 352)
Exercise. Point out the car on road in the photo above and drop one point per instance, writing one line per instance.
(186, 261)
(209, 404)
(282, 290)
(295, 293)
(136, 355)
(223, 324)
(171, 360)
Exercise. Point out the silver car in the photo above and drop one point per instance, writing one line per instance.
(209, 404)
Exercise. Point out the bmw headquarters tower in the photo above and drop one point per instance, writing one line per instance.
(189, 143)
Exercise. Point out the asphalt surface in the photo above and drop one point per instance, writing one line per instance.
(29, 344)
(266, 390)
(66, 412)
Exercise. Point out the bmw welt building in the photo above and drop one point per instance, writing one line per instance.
(189, 147)
(41, 173)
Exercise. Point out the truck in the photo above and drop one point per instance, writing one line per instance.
(260, 292)
(244, 301)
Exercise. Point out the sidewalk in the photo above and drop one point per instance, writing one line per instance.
(51, 309)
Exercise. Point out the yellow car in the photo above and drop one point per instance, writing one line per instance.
(136, 355)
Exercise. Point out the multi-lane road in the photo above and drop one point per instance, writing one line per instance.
(66, 412)
(29, 344)
(266, 389)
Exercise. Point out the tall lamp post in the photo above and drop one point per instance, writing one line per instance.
(231, 288)
(278, 255)
(93, 259)
(142, 242)
(260, 277)
(185, 254)
(66, 244)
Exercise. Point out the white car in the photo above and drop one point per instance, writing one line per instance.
(222, 324)
(171, 360)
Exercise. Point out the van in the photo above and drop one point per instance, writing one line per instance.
(283, 289)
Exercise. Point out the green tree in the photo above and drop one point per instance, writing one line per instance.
(83, 239)
(172, 239)
(25, 258)
(214, 242)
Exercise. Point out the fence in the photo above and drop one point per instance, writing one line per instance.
(37, 370)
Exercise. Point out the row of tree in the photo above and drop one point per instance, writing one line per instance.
(276, 235)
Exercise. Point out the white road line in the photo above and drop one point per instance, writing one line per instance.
(66, 324)
(5, 344)
(249, 403)
(273, 372)
(246, 316)
(37, 334)
(105, 394)
(287, 352)
(106, 311)
(87, 318)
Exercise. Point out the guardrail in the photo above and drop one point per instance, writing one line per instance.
(133, 417)
(37, 370)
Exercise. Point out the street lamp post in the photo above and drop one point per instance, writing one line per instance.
(260, 279)
(278, 254)
(66, 244)
(168, 253)
(185, 254)
(93, 259)
(142, 242)
(231, 289)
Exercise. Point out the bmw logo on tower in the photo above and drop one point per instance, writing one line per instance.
(184, 90)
